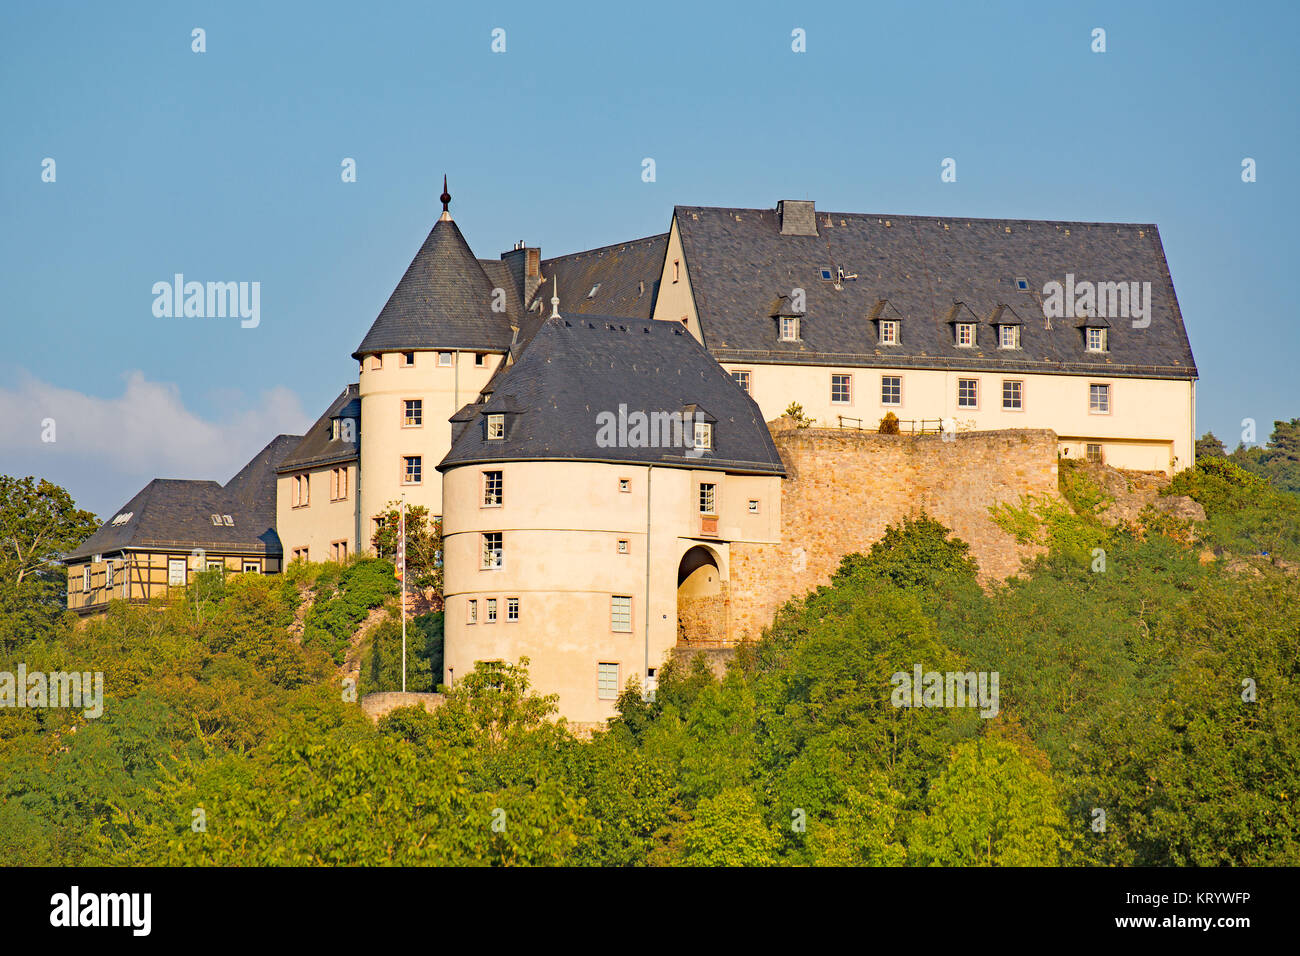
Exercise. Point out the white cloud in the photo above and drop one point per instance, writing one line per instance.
(107, 449)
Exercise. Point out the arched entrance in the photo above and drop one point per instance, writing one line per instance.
(701, 598)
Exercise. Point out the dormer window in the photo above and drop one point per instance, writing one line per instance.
(1096, 340)
(1008, 336)
(966, 335)
(496, 427)
(216, 520)
(228, 521)
(789, 328)
(888, 331)
(703, 435)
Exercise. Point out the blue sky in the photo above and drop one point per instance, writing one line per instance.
(225, 165)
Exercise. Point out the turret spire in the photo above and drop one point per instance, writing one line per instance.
(446, 199)
(555, 298)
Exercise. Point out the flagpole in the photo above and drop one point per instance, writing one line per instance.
(402, 522)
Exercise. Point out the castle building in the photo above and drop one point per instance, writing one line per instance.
(606, 471)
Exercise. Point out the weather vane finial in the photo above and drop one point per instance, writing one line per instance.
(446, 196)
(555, 298)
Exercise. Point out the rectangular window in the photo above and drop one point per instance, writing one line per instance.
(412, 412)
(175, 573)
(492, 549)
(108, 575)
(1099, 399)
(888, 331)
(968, 395)
(512, 609)
(301, 494)
(480, 359)
(742, 378)
(607, 681)
(703, 435)
(625, 485)
(966, 334)
(622, 545)
(339, 549)
(216, 566)
(376, 362)
(753, 506)
(444, 358)
(299, 554)
(491, 610)
(252, 567)
(708, 498)
(471, 612)
(492, 488)
(789, 328)
(1094, 453)
(85, 578)
(496, 427)
(620, 613)
(408, 359)
(1013, 394)
(841, 389)
(338, 483)
(1009, 336)
(891, 390)
(1096, 340)
(412, 469)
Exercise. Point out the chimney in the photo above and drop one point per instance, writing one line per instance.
(797, 217)
(525, 264)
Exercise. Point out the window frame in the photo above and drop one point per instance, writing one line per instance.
(747, 383)
(1019, 392)
(406, 469)
(616, 618)
(974, 335)
(512, 610)
(890, 332)
(1014, 330)
(887, 404)
(605, 688)
(1106, 391)
(485, 486)
(1102, 344)
(406, 413)
(792, 323)
(496, 426)
(486, 553)
(974, 396)
(846, 385)
(709, 496)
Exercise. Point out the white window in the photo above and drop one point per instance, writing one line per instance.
(607, 681)
(471, 612)
(512, 609)
(1009, 336)
(1094, 453)
(491, 610)
(412, 412)
(1096, 340)
(743, 378)
(175, 573)
(496, 427)
(625, 485)
(493, 551)
(888, 331)
(708, 498)
(216, 566)
(622, 546)
(228, 521)
(108, 575)
(85, 578)
(966, 334)
(1013, 394)
(493, 485)
(841, 389)
(1099, 399)
(444, 358)
(753, 506)
(968, 395)
(789, 328)
(252, 567)
(703, 435)
(891, 390)
(620, 613)
(412, 469)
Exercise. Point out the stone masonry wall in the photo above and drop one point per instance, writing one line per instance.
(845, 487)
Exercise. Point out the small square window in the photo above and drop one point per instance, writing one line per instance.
(625, 485)
(444, 358)
(491, 610)
(412, 412)
(622, 546)
(1096, 340)
(620, 613)
(968, 393)
(496, 427)
(742, 378)
(891, 390)
(888, 331)
(841, 389)
(1013, 395)
(753, 506)
(1099, 399)
(480, 359)
(512, 609)
(252, 567)
(827, 274)
(228, 521)
(1022, 283)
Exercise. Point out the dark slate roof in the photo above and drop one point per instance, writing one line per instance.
(319, 447)
(932, 271)
(444, 301)
(578, 366)
(177, 513)
(627, 274)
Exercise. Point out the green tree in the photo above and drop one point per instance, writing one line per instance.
(728, 830)
(423, 544)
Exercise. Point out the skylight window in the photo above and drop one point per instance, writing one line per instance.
(827, 274)
(1022, 283)
(228, 521)
(592, 293)
(216, 520)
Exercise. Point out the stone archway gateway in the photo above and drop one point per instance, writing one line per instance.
(701, 598)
